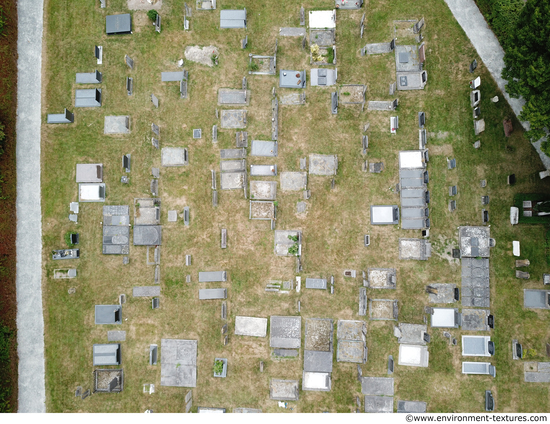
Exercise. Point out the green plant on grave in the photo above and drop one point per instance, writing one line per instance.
(152, 14)
(294, 249)
(345, 93)
(293, 238)
(252, 66)
(68, 238)
(330, 56)
(315, 53)
(214, 59)
(530, 353)
(218, 367)
(275, 203)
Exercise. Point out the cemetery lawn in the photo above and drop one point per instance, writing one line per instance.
(333, 226)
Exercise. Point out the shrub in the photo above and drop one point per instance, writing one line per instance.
(218, 367)
(6, 338)
(152, 15)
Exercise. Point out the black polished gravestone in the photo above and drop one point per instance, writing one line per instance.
(473, 66)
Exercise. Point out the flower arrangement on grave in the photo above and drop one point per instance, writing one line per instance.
(218, 367)
(315, 53)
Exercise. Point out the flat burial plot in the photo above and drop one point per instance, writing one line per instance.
(147, 211)
(378, 404)
(416, 249)
(377, 386)
(263, 190)
(250, 326)
(233, 119)
(262, 210)
(381, 278)
(445, 293)
(232, 180)
(283, 243)
(285, 332)
(116, 125)
(229, 96)
(411, 333)
(353, 94)
(475, 320)
(293, 181)
(283, 389)
(174, 156)
(351, 351)
(413, 355)
(383, 309)
(323, 164)
(179, 363)
(318, 334)
(233, 165)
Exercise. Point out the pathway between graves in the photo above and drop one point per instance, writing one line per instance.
(484, 41)
(30, 320)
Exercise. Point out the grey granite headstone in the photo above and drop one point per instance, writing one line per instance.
(155, 100)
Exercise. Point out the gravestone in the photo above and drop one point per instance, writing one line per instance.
(197, 133)
(188, 278)
(214, 134)
(418, 26)
(302, 16)
(484, 216)
(365, 143)
(224, 310)
(155, 143)
(452, 205)
(477, 112)
(155, 189)
(183, 89)
(390, 364)
(188, 260)
(86, 394)
(214, 198)
(511, 179)
(126, 162)
(244, 42)
(129, 62)
(78, 392)
(483, 183)
(473, 66)
(155, 100)
(451, 163)
(484, 200)
(224, 238)
(157, 23)
(453, 190)
(367, 240)
(334, 102)
(307, 194)
(155, 128)
(421, 119)
(186, 216)
(155, 303)
(98, 51)
(242, 139)
(244, 84)
(393, 85)
(129, 85)
(477, 144)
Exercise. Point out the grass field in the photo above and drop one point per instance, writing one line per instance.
(333, 226)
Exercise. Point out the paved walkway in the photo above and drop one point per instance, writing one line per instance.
(30, 321)
(484, 41)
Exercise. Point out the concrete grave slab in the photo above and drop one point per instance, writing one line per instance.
(108, 314)
(147, 235)
(323, 164)
(146, 211)
(106, 354)
(262, 210)
(475, 319)
(212, 294)
(238, 165)
(407, 58)
(292, 99)
(293, 181)
(319, 334)
(408, 406)
(233, 153)
(381, 278)
(89, 173)
(323, 77)
(174, 156)
(316, 283)
(445, 293)
(230, 96)
(411, 333)
(315, 361)
(116, 336)
(416, 249)
(292, 32)
(146, 291)
(263, 170)
(232, 180)
(378, 404)
(233, 119)
(413, 355)
(263, 190)
(172, 216)
(285, 332)
(383, 309)
(445, 318)
(377, 386)
(282, 242)
(179, 363)
(264, 148)
(283, 390)
(250, 326)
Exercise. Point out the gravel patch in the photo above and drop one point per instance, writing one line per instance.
(202, 55)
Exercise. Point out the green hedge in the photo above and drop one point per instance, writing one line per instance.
(501, 15)
(6, 339)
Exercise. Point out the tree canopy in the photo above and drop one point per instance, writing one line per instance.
(527, 66)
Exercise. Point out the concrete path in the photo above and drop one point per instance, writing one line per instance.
(484, 41)
(30, 321)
